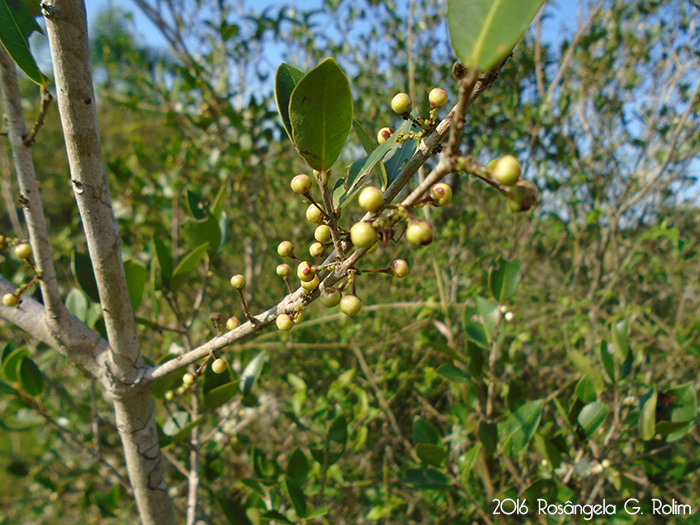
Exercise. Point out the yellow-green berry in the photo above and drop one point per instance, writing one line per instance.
(285, 322)
(285, 248)
(283, 270)
(299, 317)
(522, 196)
(384, 134)
(189, 378)
(441, 193)
(232, 323)
(238, 282)
(322, 177)
(23, 251)
(401, 103)
(316, 249)
(311, 285)
(219, 366)
(437, 97)
(301, 183)
(419, 233)
(399, 268)
(370, 199)
(507, 170)
(305, 271)
(350, 305)
(363, 235)
(314, 214)
(322, 233)
(330, 297)
(10, 299)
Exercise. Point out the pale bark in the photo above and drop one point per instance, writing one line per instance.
(66, 26)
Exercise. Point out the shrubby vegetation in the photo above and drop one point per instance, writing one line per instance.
(549, 354)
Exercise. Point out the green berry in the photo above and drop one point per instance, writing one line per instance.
(401, 103)
(301, 183)
(314, 214)
(23, 251)
(232, 323)
(350, 305)
(169, 395)
(311, 285)
(238, 282)
(285, 322)
(491, 165)
(219, 366)
(507, 170)
(437, 97)
(370, 199)
(384, 134)
(285, 249)
(441, 193)
(330, 297)
(399, 268)
(322, 233)
(10, 299)
(305, 272)
(419, 233)
(522, 196)
(283, 270)
(299, 317)
(363, 235)
(316, 249)
(189, 378)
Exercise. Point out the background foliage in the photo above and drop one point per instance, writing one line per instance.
(385, 416)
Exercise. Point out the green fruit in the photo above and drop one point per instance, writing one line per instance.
(232, 323)
(384, 134)
(23, 251)
(219, 366)
(401, 103)
(441, 193)
(285, 249)
(322, 233)
(10, 299)
(311, 285)
(317, 249)
(522, 196)
(314, 214)
(169, 395)
(305, 272)
(299, 317)
(285, 322)
(419, 233)
(399, 268)
(370, 199)
(491, 165)
(507, 170)
(322, 178)
(189, 378)
(363, 235)
(372, 249)
(283, 270)
(238, 282)
(350, 305)
(437, 97)
(330, 297)
(301, 183)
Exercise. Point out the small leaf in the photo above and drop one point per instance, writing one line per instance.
(77, 304)
(136, 277)
(608, 361)
(298, 467)
(220, 395)
(545, 489)
(468, 463)
(586, 368)
(475, 331)
(263, 468)
(233, 509)
(620, 338)
(320, 110)
(425, 478)
(10, 366)
(424, 432)
(397, 159)
(32, 378)
(252, 372)
(504, 279)
(585, 390)
(195, 205)
(476, 358)
(16, 25)
(321, 511)
(187, 264)
(592, 416)
(175, 423)
(431, 455)
(365, 140)
(520, 427)
(452, 373)
(275, 515)
(296, 496)
(488, 435)
(483, 32)
(489, 313)
(165, 260)
(169, 381)
(647, 416)
(81, 267)
(286, 79)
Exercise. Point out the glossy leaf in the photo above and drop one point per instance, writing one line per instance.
(592, 416)
(483, 32)
(81, 266)
(608, 360)
(520, 427)
(275, 515)
(31, 377)
(169, 381)
(586, 368)
(16, 25)
(136, 277)
(432, 455)
(165, 260)
(77, 304)
(475, 331)
(286, 79)
(320, 110)
(469, 459)
(489, 313)
(647, 415)
(233, 510)
(682, 409)
(10, 366)
(264, 468)
(220, 395)
(252, 372)
(620, 338)
(298, 467)
(425, 478)
(296, 496)
(585, 390)
(488, 435)
(397, 158)
(195, 205)
(425, 432)
(504, 279)
(187, 264)
(452, 373)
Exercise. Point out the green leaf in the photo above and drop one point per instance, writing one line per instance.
(10, 366)
(286, 79)
(396, 160)
(620, 338)
(275, 515)
(136, 277)
(476, 358)
(220, 395)
(475, 332)
(647, 416)
(365, 140)
(468, 463)
(483, 32)
(608, 361)
(520, 427)
(592, 416)
(31, 377)
(77, 304)
(586, 368)
(264, 468)
(425, 478)
(169, 381)
(452, 373)
(16, 25)
(195, 205)
(298, 467)
(233, 509)
(337, 439)
(175, 423)
(432, 455)
(296, 496)
(488, 435)
(585, 390)
(489, 313)
(424, 432)
(321, 511)
(545, 489)
(320, 111)
(187, 264)
(204, 231)
(81, 266)
(504, 279)
(165, 260)
(252, 372)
